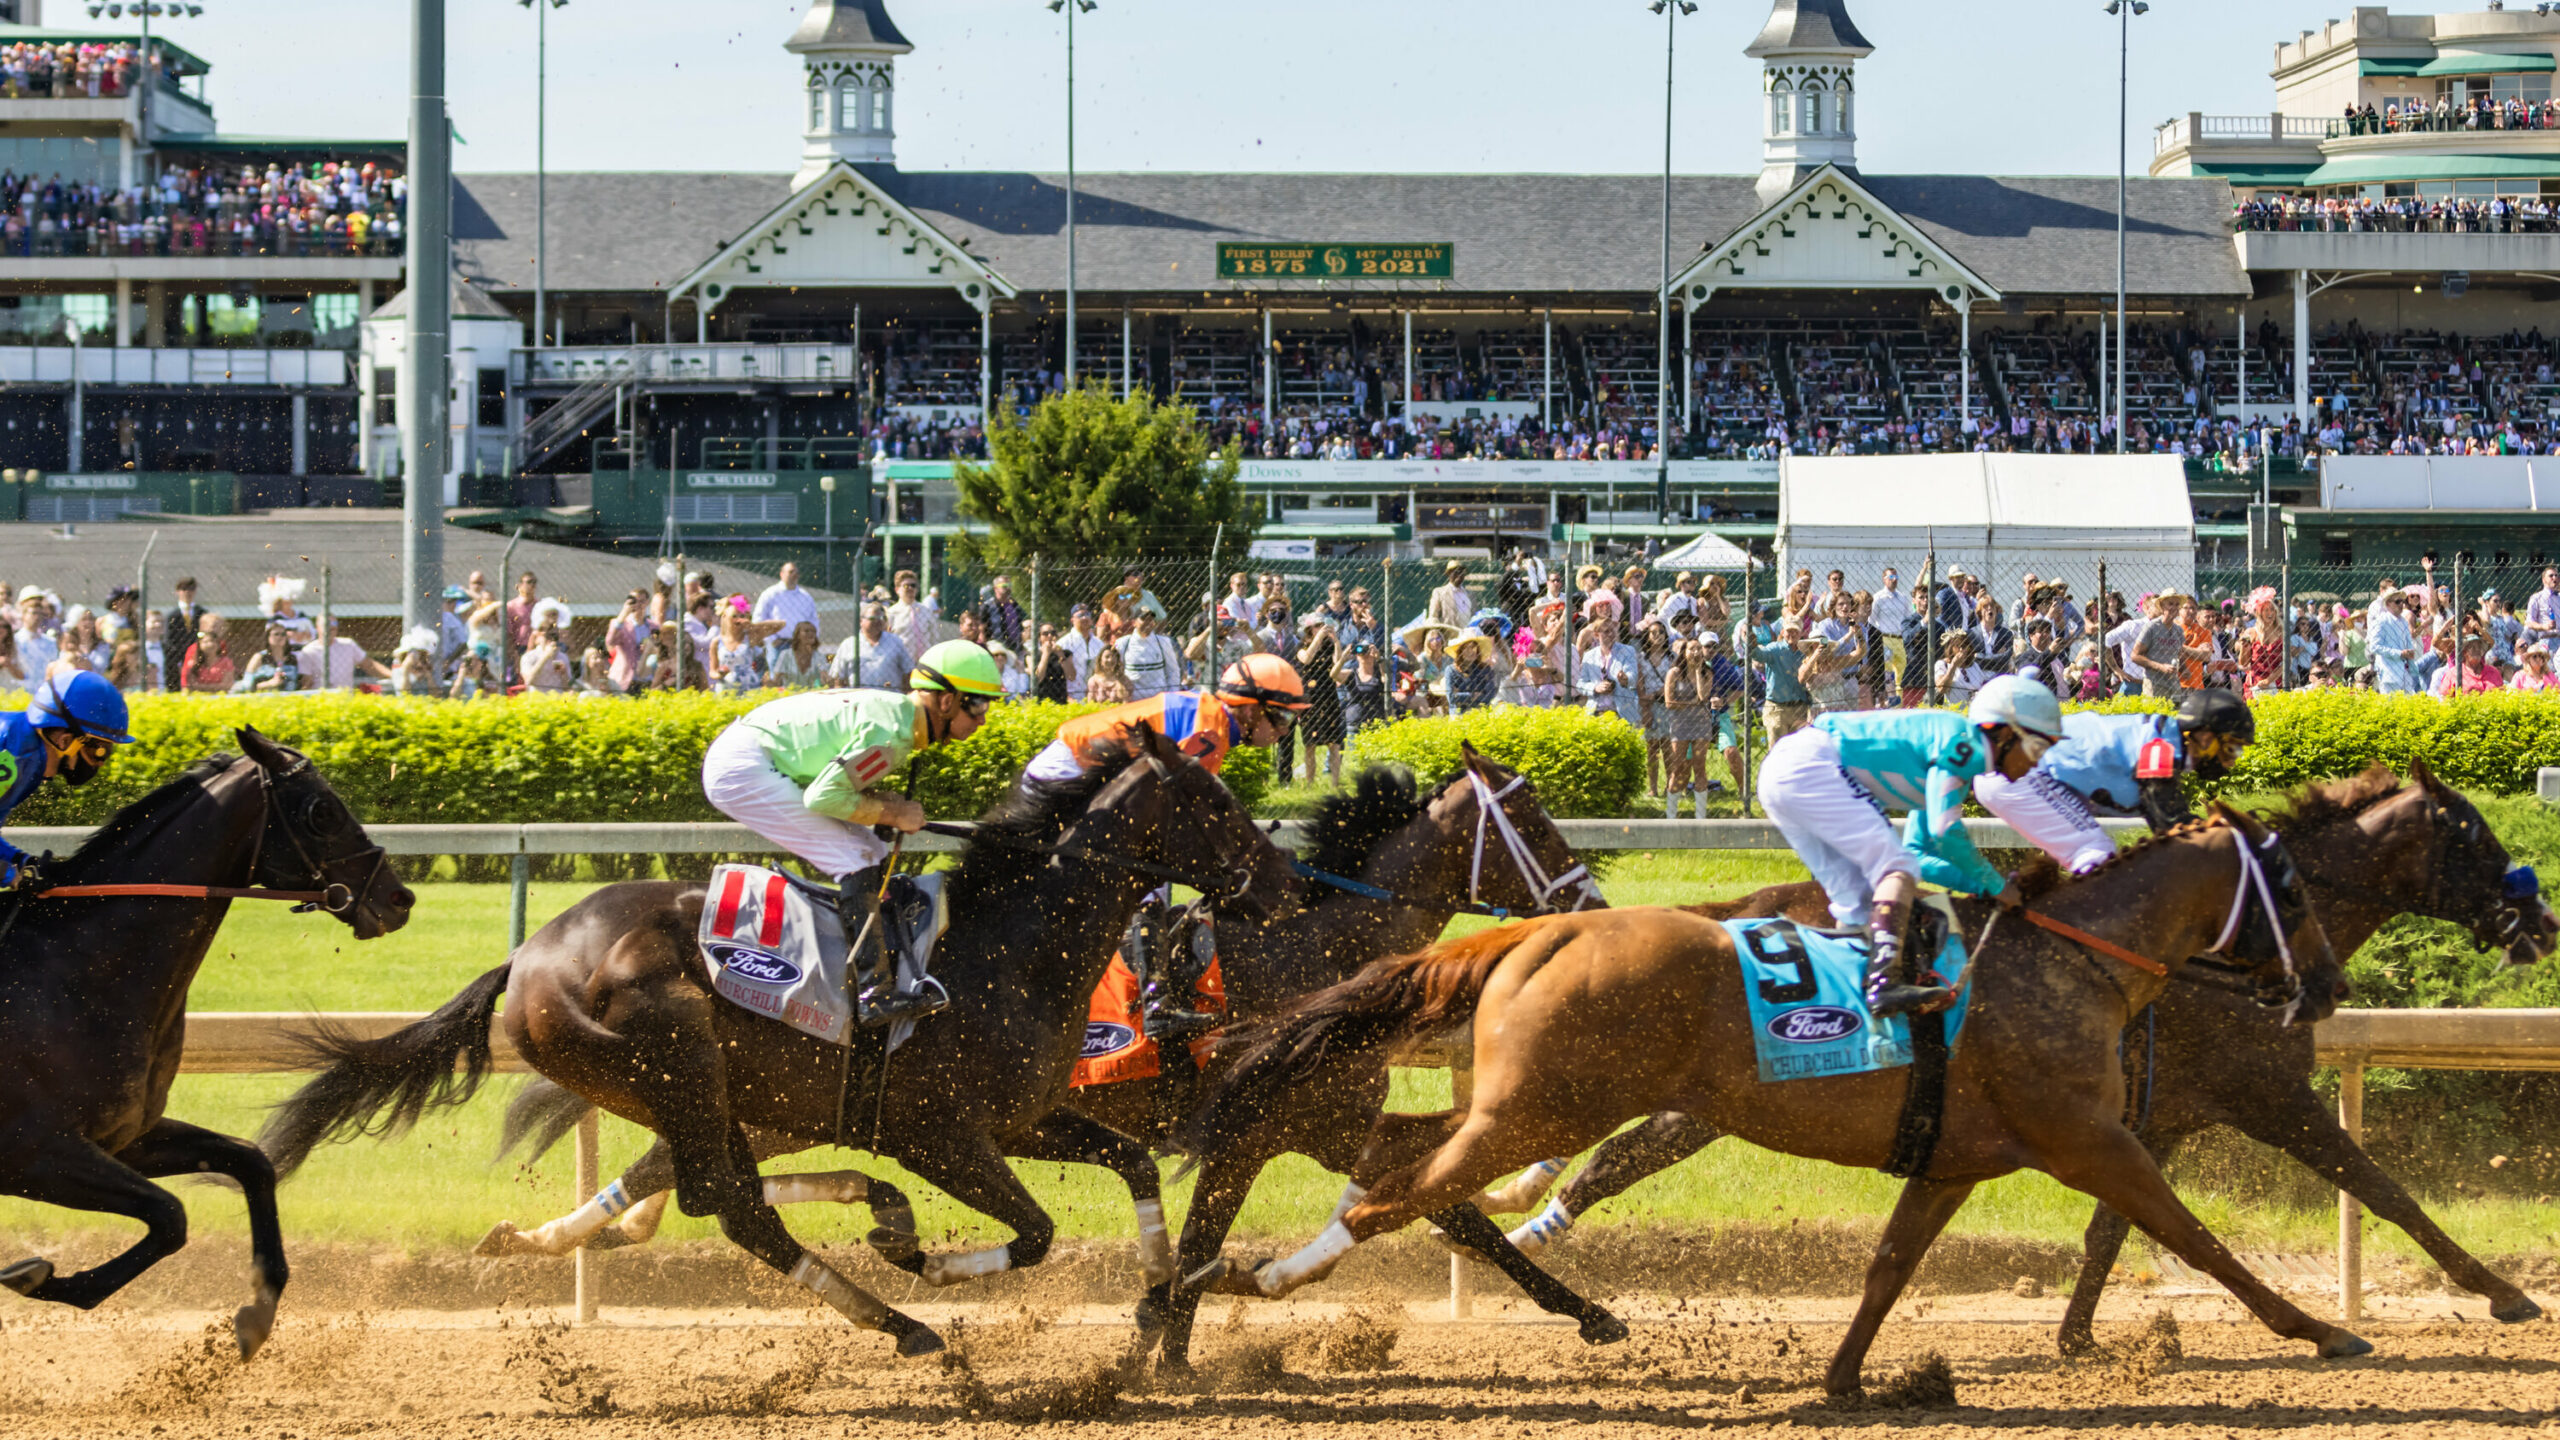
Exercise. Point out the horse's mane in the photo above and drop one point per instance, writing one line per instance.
(1033, 812)
(113, 838)
(2313, 807)
(1349, 825)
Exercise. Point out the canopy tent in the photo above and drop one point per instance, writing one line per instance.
(1707, 552)
(2001, 517)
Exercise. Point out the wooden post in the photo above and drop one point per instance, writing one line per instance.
(1462, 1088)
(590, 1286)
(2350, 1211)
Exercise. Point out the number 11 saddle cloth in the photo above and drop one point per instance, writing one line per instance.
(1807, 993)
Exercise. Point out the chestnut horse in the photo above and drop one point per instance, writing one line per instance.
(2370, 848)
(1583, 1022)
(614, 1001)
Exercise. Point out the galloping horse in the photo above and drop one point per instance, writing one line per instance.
(93, 1004)
(2370, 849)
(1583, 1022)
(613, 1000)
(1417, 862)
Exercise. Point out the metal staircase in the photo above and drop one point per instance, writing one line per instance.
(552, 431)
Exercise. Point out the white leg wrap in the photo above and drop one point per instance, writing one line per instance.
(1549, 1227)
(1351, 1195)
(952, 1269)
(1523, 1192)
(1155, 1247)
(571, 1230)
(1313, 1263)
(843, 1187)
(639, 1224)
(850, 1300)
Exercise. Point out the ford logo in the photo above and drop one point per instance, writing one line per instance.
(1816, 1025)
(1102, 1038)
(763, 967)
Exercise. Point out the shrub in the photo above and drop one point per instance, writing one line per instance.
(532, 758)
(1583, 765)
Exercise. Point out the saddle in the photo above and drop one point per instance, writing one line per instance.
(775, 946)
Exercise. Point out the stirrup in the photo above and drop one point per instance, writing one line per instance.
(885, 1004)
(1896, 998)
(1167, 1022)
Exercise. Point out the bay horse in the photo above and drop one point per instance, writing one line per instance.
(613, 1000)
(93, 1005)
(1582, 1022)
(2370, 849)
(1418, 863)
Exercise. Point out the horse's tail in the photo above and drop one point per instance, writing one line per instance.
(1387, 1003)
(403, 1073)
(542, 1112)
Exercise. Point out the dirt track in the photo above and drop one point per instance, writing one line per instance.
(1377, 1368)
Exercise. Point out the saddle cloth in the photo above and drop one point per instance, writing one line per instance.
(777, 949)
(1116, 1045)
(1808, 999)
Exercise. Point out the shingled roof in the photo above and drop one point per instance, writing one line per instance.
(1809, 25)
(1153, 234)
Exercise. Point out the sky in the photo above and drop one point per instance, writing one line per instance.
(2015, 87)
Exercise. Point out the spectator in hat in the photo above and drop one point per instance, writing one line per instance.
(1452, 603)
(413, 665)
(1473, 681)
(544, 666)
(119, 618)
(453, 631)
(1605, 672)
(278, 597)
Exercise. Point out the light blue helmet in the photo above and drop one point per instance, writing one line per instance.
(82, 702)
(2023, 706)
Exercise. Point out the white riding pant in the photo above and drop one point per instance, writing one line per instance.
(1053, 764)
(1839, 834)
(742, 784)
(2051, 815)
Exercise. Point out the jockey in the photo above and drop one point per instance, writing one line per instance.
(2119, 765)
(71, 728)
(1257, 700)
(800, 772)
(1827, 787)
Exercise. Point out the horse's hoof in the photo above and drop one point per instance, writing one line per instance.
(251, 1326)
(913, 1338)
(501, 1240)
(2075, 1340)
(1602, 1328)
(27, 1276)
(1205, 1279)
(2342, 1346)
(2516, 1311)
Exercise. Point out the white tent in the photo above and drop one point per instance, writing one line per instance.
(1707, 552)
(1999, 516)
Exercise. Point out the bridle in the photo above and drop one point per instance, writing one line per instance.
(2258, 903)
(335, 896)
(1543, 889)
(2509, 926)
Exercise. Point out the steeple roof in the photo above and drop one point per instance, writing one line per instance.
(1809, 25)
(848, 24)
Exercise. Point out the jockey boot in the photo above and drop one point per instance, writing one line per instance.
(1155, 950)
(877, 1000)
(1888, 992)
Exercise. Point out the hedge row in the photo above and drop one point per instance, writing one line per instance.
(1582, 765)
(2490, 743)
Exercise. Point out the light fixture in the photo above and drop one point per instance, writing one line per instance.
(2140, 7)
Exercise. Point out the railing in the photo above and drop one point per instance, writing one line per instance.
(102, 364)
(788, 452)
(193, 238)
(2193, 129)
(574, 365)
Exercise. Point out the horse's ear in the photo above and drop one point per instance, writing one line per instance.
(1473, 758)
(266, 752)
(2419, 771)
(2240, 820)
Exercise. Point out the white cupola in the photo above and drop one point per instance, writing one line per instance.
(1808, 54)
(851, 49)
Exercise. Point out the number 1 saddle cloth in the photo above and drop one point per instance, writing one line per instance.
(1807, 993)
(775, 947)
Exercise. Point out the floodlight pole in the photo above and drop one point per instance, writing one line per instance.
(1662, 298)
(426, 361)
(2124, 11)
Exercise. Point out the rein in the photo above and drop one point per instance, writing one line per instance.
(2102, 945)
(2253, 884)
(1368, 891)
(968, 830)
(335, 899)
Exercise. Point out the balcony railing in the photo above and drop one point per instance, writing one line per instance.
(108, 365)
(2193, 129)
(108, 240)
(677, 364)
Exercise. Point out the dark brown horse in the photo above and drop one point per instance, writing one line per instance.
(1417, 861)
(93, 1006)
(2370, 849)
(614, 1001)
(1583, 1022)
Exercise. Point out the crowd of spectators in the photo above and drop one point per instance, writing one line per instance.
(326, 207)
(68, 70)
(2476, 112)
(2479, 215)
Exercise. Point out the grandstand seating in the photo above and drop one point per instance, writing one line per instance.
(932, 364)
(1216, 364)
(1620, 369)
(1514, 363)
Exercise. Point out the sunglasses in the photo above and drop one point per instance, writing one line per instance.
(974, 706)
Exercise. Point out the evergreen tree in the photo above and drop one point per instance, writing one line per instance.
(1087, 476)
